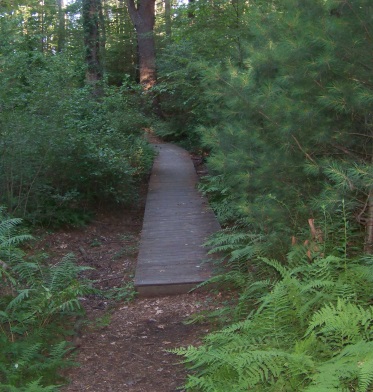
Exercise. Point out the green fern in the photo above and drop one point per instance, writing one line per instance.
(284, 272)
(10, 254)
(237, 246)
(38, 306)
(351, 367)
(19, 299)
(34, 386)
(239, 368)
(299, 319)
(342, 324)
(27, 271)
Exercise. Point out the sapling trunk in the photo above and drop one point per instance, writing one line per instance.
(369, 225)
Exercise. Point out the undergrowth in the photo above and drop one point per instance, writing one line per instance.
(63, 153)
(303, 324)
(39, 304)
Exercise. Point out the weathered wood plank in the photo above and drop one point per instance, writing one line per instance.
(177, 222)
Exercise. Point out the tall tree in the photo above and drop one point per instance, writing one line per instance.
(167, 12)
(143, 18)
(121, 50)
(92, 11)
(61, 25)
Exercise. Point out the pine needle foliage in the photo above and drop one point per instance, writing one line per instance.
(288, 131)
(288, 123)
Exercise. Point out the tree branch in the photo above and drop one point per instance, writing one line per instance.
(304, 152)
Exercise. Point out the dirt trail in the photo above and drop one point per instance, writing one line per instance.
(130, 353)
(123, 345)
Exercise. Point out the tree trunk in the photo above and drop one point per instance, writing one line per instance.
(102, 40)
(41, 21)
(61, 26)
(369, 225)
(167, 12)
(91, 26)
(143, 18)
(368, 246)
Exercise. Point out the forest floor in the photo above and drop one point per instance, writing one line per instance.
(122, 345)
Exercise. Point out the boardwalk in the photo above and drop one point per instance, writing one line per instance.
(176, 223)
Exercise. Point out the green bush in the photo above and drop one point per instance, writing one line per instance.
(279, 94)
(62, 151)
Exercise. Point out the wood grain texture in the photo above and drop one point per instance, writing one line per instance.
(177, 222)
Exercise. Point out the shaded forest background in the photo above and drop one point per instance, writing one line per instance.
(276, 96)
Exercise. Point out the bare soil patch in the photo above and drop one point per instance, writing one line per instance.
(130, 354)
(123, 346)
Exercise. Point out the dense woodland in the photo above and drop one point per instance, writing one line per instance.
(276, 96)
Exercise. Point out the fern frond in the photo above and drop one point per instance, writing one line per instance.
(343, 323)
(241, 369)
(34, 386)
(235, 244)
(297, 254)
(70, 305)
(8, 225)
(57, 354)
(246, 252)
(64, 272)
(14, 240)
(250, 297)
(22, 295)
(27, 271)
(28, 355)
(365, 375)
(4, 317)
(8, 238)
(353, 363)
(276, 265)
(234, 278)
(316, 285)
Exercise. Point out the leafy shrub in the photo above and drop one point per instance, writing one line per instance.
(62, 151)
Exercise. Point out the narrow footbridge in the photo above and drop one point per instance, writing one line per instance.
(177, 222)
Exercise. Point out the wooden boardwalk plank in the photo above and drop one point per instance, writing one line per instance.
(177, 222)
